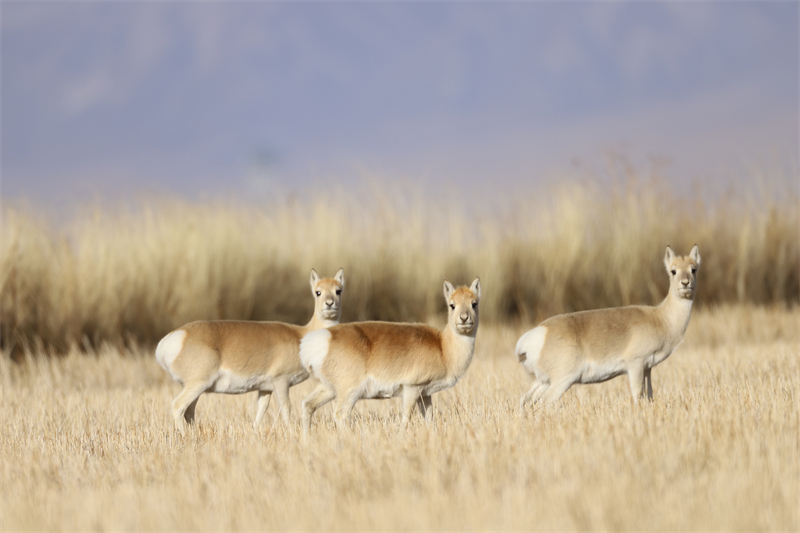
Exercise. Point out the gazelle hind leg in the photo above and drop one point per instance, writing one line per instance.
(318, 397)
(184, 404)
(425, 406)
(555, 391)
(648, 383)
(345, 407)
(536, 389)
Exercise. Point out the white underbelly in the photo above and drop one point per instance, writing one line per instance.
(374, 389)
(594, 372)
(437, 386)
(298, 378)
(231, 383)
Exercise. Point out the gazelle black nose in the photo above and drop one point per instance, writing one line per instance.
(685, 281)
(329, 302)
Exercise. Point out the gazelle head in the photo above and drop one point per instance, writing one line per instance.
(327, 295)
(462, 306)
(682, 272)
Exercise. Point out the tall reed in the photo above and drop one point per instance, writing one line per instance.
(129, 275)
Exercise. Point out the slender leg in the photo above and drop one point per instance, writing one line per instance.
(316, 399)
(188, 415)
(345, 407)
(648, 383)
(636, 378)
(425, 406)
(410, 395)
(261, 406)
(555, 391)
(535, 386)
(282, 392)
(183, 405)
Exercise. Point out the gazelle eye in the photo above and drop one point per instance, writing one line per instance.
(338, 291)
(694, 270)
(673, 272)
(474, 305)
(452, 306)
(319, 293)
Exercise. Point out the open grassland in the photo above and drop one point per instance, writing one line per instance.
(86, 443)
(128, 276)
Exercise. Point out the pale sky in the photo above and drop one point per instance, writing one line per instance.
(218, 98)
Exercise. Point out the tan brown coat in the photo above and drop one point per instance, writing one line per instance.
(371, 360)
(595, 346)
(234, 357)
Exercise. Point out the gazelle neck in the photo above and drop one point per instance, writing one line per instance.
(457, 349)
(319, 323)
(675, 312)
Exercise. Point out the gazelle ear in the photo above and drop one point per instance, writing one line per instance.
(314, 280)
(340, 277)
(476, 288)
(695, 254)
(448, 290)
(669, 257)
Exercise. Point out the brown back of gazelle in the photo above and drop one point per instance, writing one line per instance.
(234, 357)
(595, 346)
(370, 360)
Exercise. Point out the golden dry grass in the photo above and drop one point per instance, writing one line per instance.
(86, 442)
(130, 275)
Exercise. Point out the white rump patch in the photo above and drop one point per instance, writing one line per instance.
(314, 349)
(168, 349)
(531, 344)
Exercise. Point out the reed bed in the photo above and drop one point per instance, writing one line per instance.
(127, 275)
(86, 443)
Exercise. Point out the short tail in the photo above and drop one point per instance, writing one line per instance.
(314, 349)
(529, 347)
(168, 349)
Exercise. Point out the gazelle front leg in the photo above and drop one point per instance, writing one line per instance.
(636, 378)
(316, 399)
(410, 395)
(261, 406)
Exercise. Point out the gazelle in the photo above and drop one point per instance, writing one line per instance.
(595, 346)
(234, 357)
(370, 360)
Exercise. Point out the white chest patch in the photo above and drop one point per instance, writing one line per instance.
(314, 349)
(168, 349)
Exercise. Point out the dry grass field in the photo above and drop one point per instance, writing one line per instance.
(86, 443)
(86, 434)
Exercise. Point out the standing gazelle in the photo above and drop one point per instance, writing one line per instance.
(234, 357)
(370, 360)
(595, 346)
